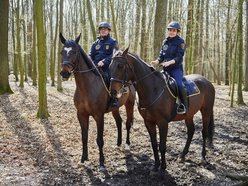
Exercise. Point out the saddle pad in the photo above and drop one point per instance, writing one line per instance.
(191, 87)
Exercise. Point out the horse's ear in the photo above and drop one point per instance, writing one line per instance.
(62, 39)
(124, 54)
(78, 38)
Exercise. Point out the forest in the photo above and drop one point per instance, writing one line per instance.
(40, 140)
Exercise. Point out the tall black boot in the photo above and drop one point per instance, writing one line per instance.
(183, 107)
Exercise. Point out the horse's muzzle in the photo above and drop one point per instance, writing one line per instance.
(65, 75)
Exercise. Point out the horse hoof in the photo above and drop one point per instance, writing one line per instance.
(181, 159)
(204, 162)
(102, 168)
(127, 147)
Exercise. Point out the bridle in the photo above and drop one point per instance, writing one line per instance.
(125, 81)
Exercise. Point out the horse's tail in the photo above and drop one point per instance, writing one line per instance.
(211, 131)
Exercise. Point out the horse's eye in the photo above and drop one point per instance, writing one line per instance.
(73, 52)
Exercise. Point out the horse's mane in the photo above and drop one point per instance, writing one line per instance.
(135, 56)
(87, 59)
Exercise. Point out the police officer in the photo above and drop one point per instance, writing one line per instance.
(171, 58)
(102, 51)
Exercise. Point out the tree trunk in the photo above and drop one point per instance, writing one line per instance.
(24, 21)
(246, 49)
(59, 81)
(4, 65)
(113, 19)
(18, 38)
(15, 64)
(143, 38)
(159, 26)
(52, 43)
(93, 29)
(240, 100)
(34, 71)
(42, 110)
(228, 39)
(189, 36)
(137, 26)
(206, 53)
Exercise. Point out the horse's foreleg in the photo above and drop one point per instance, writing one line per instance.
(190, 132)
(118, 122)
(99, 140)
(129, 110)
(151, 127)
(163, 130)
(84, 123)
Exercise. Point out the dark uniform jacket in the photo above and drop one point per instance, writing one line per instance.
(101, 49)
(172, 48)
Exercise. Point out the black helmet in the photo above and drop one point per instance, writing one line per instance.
(175, 25)
(104, 25)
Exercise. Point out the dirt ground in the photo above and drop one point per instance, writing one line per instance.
(47, 152)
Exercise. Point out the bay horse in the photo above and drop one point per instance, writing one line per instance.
(91, 96)
(157, 106)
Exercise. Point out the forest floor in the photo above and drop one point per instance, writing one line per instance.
(47, 152)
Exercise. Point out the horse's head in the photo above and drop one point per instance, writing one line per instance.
(69, 53)
(121, 73)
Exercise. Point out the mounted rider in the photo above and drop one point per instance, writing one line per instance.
(102, 51)
(171, 58)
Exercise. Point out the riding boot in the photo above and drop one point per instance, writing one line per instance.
(183, 107)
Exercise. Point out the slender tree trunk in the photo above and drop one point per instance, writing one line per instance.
(34, 70)
(206, 57)
(24, 21)
(228, 39)
(240, 100)
(4, 67)
(159, 26)
(59, 81)
(52, 43)
(189, 36)
(137, 25)
(92, 26)
(42, 110)
(113, 19)
(15, 64)
(19, 52)
(143, 30)
(246, 53)
(195, 59)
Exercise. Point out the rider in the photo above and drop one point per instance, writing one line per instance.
(171, 58)
(102, 51)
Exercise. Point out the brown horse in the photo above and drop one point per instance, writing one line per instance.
(158, 107)
(91, 97)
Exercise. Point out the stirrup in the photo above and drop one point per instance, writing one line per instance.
(181, 109)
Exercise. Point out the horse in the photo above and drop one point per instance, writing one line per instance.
(91, 96)
(157, 105)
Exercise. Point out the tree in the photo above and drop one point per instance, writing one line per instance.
(93, 29)
(189, 36)
(18, 38)
(42, 110)
(4, 65)
(240, 100)
(246, 49)
(59, 81)
(34, 66)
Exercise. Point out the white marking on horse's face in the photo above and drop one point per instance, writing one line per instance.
(67, 49)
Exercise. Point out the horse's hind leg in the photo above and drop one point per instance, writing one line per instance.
(118, 121)
(207, 132)
(190, 132)
(129, 110)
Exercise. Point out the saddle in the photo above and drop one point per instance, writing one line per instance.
(189, 85)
